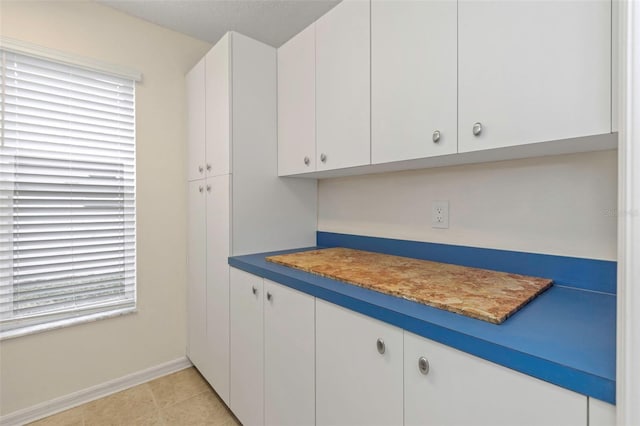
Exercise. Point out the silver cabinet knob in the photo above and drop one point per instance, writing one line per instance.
(209, 167)
(436, 136)
(269, 296)
(200, 188)
(254, 290)
(208, 188)
(323, 158)
(306, 161)
(381, 346)
(200, 169)
(423, 365)
(477, 128)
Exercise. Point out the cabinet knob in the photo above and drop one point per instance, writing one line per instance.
(423, 365)
(323, 158)
(306, 161)
(200, 188)
(477, 128)
(254, 290)
(200, 169)
(436, 136)
(381, 346)
(209, 167)
(269, 296)
(208, 188)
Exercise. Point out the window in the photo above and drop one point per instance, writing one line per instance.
(67, 194)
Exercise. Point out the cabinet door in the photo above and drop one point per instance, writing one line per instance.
(247, 346)
(195, 82)
(601, 413)
(413, 79)
(217, 195)
(196, 276)
(342, 86)
(355, 384)
(297, 104)
(532, 71)
(289, 354)
(218, 116)
(460, 389)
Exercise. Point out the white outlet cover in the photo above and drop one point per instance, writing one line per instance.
(440, 214)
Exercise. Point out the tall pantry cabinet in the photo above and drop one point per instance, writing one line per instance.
(237, 204)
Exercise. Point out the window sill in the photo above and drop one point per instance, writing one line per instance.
(54, 325)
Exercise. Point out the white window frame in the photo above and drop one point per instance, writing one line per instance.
(71, 317)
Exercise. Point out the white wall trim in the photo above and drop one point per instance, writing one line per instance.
(83, 396)
(628, 320)
(19, 46)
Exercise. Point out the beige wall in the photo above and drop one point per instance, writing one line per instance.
(43, 366)
(562, 205)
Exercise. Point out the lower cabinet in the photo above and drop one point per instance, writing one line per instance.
(272, 352)
(297, 360)
(601, 413)
(289, 353)
(444, 386)
(246, 352)
(358, 369)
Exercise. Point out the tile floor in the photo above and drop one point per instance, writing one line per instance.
(181, 398)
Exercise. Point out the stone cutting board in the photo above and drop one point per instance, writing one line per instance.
(477, 293)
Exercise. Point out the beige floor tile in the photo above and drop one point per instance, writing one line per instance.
(154, 419)
(177, 387)
(121, 407)
(203, 409)
(182, 398)
(71, 417)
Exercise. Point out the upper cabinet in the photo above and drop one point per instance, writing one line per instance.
(413, 79)
(532, 71)
(385, 85)
(209, 117)
(195, 83)
(343, 86)
(297, 104)
(218, 101)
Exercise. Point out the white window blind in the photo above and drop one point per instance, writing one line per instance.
(67, 194)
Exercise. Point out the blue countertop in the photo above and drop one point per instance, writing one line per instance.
(566, 336)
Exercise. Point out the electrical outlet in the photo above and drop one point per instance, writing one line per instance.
(440, 214)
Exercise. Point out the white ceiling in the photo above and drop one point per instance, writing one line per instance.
(270, 21)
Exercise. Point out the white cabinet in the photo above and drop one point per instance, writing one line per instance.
(216, 369)
(368, 372)
(272, 352)
(247, 353)
(289, 353)
(195, 84)
(532, 71)
(232, 126)
(460, 389)
(218, 114)
(401, 84)
(196, 274)
(297, 104)
(359, 365)
(208, 115)
(413, 79)
(208, 277)
(343, 86)
(324, 93)
(601, 413)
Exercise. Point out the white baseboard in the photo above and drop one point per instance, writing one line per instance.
(66, 402)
